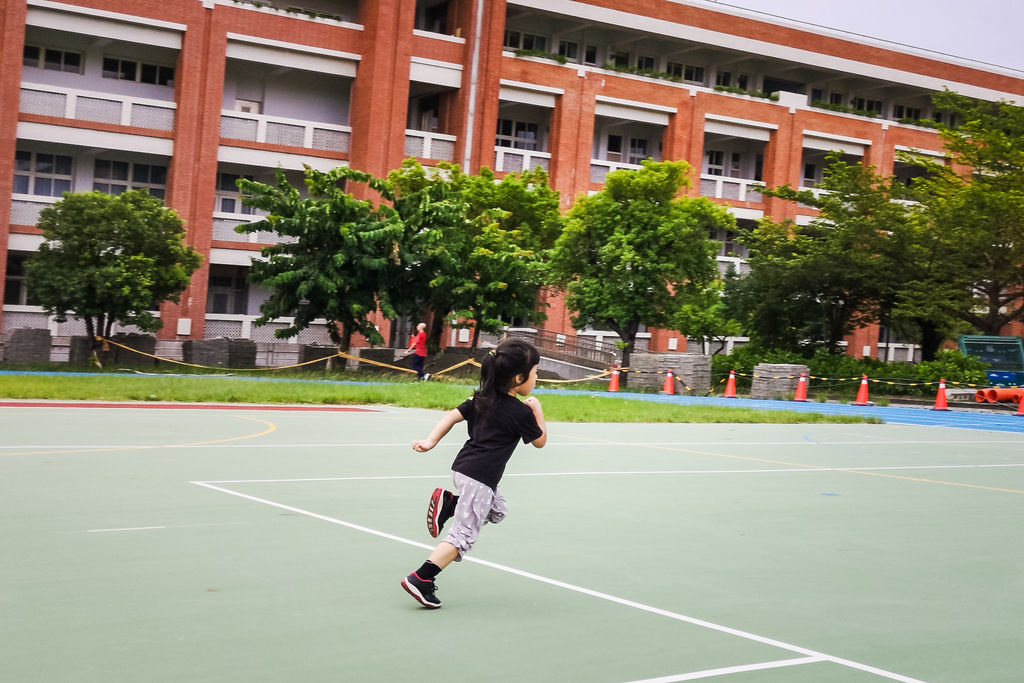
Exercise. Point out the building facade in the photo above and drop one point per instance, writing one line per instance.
(183, 97)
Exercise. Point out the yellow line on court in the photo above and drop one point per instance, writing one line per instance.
(813, 467)
(108, 449)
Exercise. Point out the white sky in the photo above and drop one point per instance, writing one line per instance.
(984, 30)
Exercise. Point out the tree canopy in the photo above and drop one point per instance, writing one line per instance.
(110, 259)
(636, 252)
(334, 256)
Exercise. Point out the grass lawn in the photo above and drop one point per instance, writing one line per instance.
(314, 389)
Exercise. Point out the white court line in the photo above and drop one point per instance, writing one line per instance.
(776, 470)
(134, 528)
(589, 444)
(725, 671)
(585, 591)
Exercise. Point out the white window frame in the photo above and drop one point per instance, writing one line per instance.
(41, 62)
(519, 138)
(714, 162)
(34, 175)
(115, 186)
(138, 66)
(223, 195)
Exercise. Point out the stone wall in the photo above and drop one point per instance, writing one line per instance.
(27, 345)
(80, 351)
(776, 380)
(648, 370)
(221, 353)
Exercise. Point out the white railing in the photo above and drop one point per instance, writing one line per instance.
(511, 160)
(25, 208)
(722, 187)
(239, 326)
(600, 168)
(276, 130)
(100, 107)
(419, 143)
(224, 225)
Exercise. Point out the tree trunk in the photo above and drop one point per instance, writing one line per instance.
(476, 337)
(931, 340)
(436, 327)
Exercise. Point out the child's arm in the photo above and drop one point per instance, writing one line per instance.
(538, 413)
(450, 419)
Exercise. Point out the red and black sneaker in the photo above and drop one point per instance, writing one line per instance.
(439, 510)
(422, 590)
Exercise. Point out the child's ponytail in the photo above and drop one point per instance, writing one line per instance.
(500, 370)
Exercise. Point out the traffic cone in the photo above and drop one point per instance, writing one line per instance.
(730, 386)
(940, 397)
(613, 384)
(801, 388)
(670, 382)
(862, 393)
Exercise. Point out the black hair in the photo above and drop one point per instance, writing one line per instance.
(500, 371)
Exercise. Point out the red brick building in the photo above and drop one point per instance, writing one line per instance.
(182, 97)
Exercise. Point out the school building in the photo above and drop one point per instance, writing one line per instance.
(183, 97)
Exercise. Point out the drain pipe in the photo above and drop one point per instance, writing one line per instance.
(474, 72)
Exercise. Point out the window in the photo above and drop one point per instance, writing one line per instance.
(524, 41)
(229, 197)
(15, 289)
(742, 80)
(835, 98)
(903, 112)
(590, 55)
(517, 134)
(817, 94)
(568, 49)
(51, 59)
(114, 177)
(614, 148)
(864, 104)
(715, 162)
(723, 78)
(645, 63)
(674, 69)
(248, 106)
(735, 160)
(129, 70)
(637, 150)
(810, 174)
(619, 58)
(693, 74)
(48, 175)
(228, 291)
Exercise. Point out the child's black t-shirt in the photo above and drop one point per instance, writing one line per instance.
(493, 437)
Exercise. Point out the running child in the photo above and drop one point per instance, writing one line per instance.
(497, 420)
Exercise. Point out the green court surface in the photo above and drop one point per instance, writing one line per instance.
(268, 545)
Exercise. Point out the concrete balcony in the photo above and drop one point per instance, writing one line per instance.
(738, 189)
(98, 107)
(511, 160)
(25, 208)
(600, 168)
(224, 225)
(276, 130)
(424, 145)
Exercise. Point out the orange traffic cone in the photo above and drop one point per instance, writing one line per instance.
(801, 388)
(613, 384)
(862, 393)
(670, 383)
(730, 386)
(940, 397)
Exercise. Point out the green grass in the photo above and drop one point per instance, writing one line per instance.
(434, 395)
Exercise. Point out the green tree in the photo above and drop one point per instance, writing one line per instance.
(705, 317)
(973, 210)
(109, 259)
(636, 252)
(474, 246)
(334, 256)
(816, 283)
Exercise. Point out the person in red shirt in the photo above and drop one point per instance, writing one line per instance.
(418, 343)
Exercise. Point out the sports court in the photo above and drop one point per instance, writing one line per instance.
(235, 544)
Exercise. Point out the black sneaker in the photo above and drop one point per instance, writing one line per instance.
(439, 510)
(422, 590)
